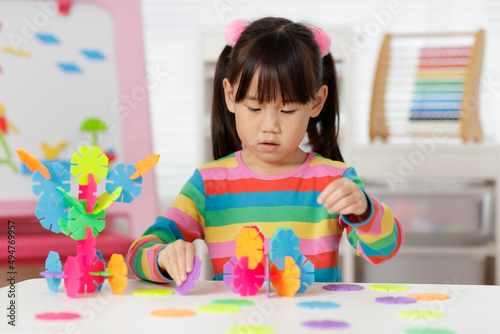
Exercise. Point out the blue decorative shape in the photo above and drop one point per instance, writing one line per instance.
(119, 177)
(283, 243)
(93, 54)
(59, 177)
(49, 210)
(53, 263)
(69, 67)
(318, 305)
(47, 38)
(306, 273)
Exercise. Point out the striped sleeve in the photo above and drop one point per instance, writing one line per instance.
(183, 220)
(379, 237)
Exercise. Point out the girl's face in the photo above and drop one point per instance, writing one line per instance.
(273, 131)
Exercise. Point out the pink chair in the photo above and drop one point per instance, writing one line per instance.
(33, 243)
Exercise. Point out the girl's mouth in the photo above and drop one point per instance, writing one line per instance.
(269, 146)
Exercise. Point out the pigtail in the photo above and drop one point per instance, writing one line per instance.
(323, 130)
(225, 139)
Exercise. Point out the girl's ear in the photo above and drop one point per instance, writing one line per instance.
(319, 100)
(228, 94)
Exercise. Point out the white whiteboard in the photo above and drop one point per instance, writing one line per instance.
(45, 102)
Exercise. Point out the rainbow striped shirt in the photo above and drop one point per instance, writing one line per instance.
(224, 195)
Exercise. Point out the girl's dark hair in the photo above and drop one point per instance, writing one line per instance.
(289, 63)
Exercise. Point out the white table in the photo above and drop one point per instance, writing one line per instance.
(471, 309)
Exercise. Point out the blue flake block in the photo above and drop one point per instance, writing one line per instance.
(59, 177)
(283, 243)
(69, 67)
(306, 273)
(48, 212)
(47, 38)
(53, 263)
(93, 54)
(119, 177)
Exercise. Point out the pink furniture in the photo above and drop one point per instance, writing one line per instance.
(32, 241)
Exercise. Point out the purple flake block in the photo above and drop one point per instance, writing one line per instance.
(395, 300)
(325, 324)
(191, 277)
(343, 287)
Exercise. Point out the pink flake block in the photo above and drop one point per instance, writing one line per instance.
(72, 280)
(245, 280)
(52, 316)
(86, 248)
(88, 261)
(88, 193)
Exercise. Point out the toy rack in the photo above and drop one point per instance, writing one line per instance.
(428, 82)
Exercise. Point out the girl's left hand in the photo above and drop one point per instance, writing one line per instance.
(344, 197)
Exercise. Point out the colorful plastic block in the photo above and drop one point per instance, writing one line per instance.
(106, 199)
(120, 177)
(73, 274)
(78, 220)
(250, 243)
(87, 193)
(283, 243)
(288, 281)
(60, 177)
(53, 316)
(48, 212)
(145, 165)
(118, 268)
(53, 265)
(306, 273)
(191, 277)
(247, 281)
(33, 163)
(228, 272)
(89, 160)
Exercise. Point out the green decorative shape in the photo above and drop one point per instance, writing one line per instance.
(93, 125)
(218, 308)
(250, 330)
(235, 302)
(389, 287)
(71, 200)
(79, 219)
(104, 273)
(421, 314)
(428, 331)
(89, 160)
(152, 292)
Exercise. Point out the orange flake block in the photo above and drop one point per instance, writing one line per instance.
(286, 281)
(250, 243)
(33, 163)
(429, 296)
(118, 268)
(173, 313)
(145, 165)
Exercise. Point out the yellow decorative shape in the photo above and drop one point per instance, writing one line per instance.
(118, 268)
(389, 287)
(152, 292)
(16, 52)
(51, 152)
(251, 330)
(422, 314)
(221, 308)
(288, 281)
(250, 242)
(106, 199)
(89, 160)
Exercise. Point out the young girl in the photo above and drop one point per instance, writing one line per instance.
(274, 82)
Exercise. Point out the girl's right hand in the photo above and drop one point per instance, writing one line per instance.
(177, 258)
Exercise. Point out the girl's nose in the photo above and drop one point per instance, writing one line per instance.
(270, 122)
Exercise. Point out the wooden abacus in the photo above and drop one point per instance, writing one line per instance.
(445, 87)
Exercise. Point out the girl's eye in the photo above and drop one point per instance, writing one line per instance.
(288, 111)
(253, 109)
